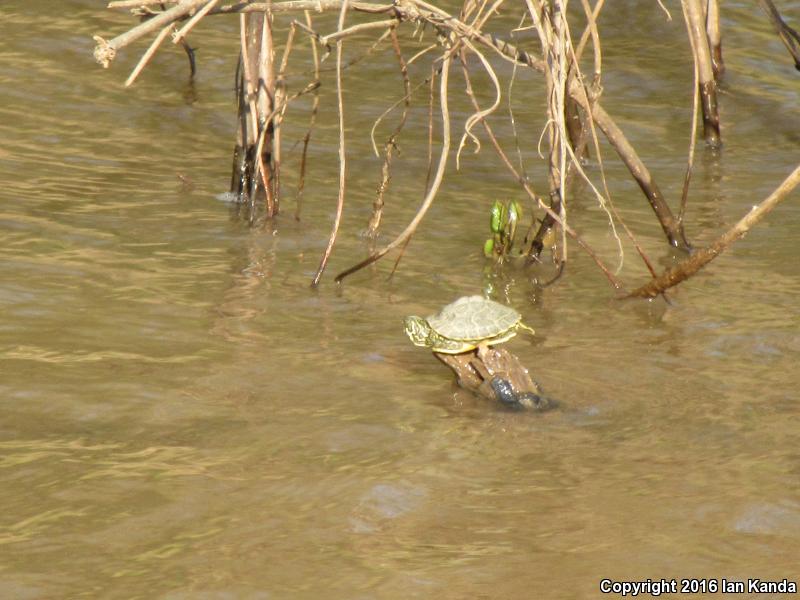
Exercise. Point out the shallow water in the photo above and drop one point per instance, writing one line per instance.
(181, 416)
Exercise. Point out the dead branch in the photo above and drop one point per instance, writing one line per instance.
(137, 3)
(789, 36)
(253, 158)
(672, 228)
(342, 154)
(389, 146)
(559, 64)
(298, 5)
(714, 38)
(685, 269)
(183, 32)
(693, 12)
(431, 94)
(280, 105)
(245, 7)
(151, 50)
(603, 199)
(549, 21)
(437, 180)
(529, 190)
(480, 115)
(404, 100)
(511, 119)
(693, 135)
(418, 10)
(591, 30)
(312, 120)
(105, 51)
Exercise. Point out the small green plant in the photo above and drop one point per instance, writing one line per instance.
(503, 221)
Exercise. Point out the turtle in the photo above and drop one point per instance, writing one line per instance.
(462, 325)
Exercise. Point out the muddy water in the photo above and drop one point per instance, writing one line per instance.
(182, 417)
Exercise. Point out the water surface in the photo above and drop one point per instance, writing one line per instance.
(183, 417)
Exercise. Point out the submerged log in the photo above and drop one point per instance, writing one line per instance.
(497, 375)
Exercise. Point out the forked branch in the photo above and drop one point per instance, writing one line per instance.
(700, 258)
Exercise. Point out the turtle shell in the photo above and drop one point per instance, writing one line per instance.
(474, 318)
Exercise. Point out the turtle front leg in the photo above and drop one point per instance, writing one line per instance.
(522, 325)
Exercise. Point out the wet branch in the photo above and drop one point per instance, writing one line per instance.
(693, 12)
(700, 258)
(714, 38)
(789, 36)
(669, 224)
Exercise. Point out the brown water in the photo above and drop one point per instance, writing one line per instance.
(181, 416)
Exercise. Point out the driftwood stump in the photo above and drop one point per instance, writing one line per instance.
(497, 375)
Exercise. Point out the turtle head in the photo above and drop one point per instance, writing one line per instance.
(418, 330)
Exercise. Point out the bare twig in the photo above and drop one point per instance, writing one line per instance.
(342, 154)
(431, 94)
(560, 64)
(605, 199)
(355, 29)
(418, 10)
(249, 79)
(693, 137)
(148, 54)
(312, 120)
(255, 91)
(479, 116)
(246, 6)
(789, 36)
(511, 118)
(437, 180)
(404, 101)
(591, 29)
(137, 3)
(183, 32)
(280, 105)
(105, 51)
(298, 5)
(388, 148)
(664, 8)
(263, 86)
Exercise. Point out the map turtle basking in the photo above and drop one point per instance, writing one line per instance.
(464, 324)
